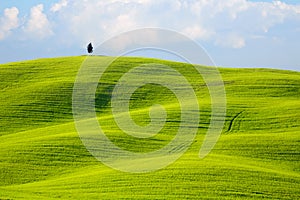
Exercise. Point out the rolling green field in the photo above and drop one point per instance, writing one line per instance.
(42, 156)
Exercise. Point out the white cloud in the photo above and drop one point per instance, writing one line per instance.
(9, 21)
(58, 6)
(38, 24)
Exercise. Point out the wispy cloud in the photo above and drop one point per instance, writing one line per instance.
(58, 6)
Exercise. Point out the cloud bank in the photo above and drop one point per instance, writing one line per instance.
(225, 23)
(230, 24)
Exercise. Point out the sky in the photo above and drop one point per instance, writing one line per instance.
(235, 33)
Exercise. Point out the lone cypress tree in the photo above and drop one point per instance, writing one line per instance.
(90, 48)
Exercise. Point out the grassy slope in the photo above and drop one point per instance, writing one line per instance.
(42, 156)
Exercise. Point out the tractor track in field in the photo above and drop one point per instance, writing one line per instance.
(232, 121)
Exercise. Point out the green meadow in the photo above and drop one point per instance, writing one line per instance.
(42, 156)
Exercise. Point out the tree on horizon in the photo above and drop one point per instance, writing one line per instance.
(90, 48)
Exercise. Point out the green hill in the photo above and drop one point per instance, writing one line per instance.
(42, 156)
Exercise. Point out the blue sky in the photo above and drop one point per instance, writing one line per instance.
(235, 33)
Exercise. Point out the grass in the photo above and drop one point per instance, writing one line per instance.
(42, 156)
